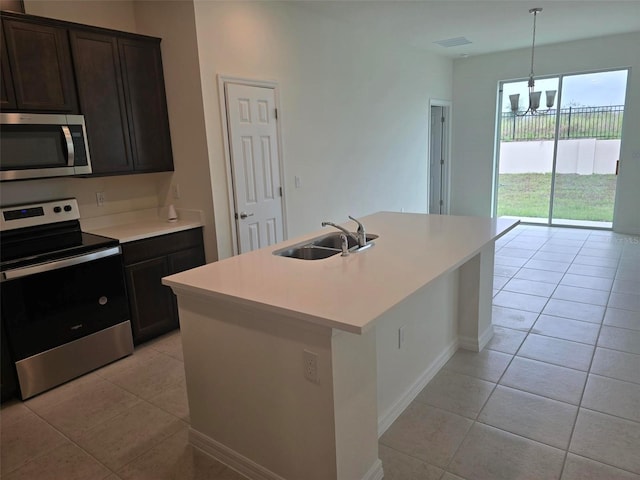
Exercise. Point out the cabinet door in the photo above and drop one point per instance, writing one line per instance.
(7, 95)
(101, 97)
(186, 259)
(8, 377)
(146, 104)
(40, 66)
(153, 306)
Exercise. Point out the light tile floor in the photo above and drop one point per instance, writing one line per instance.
(555, 395)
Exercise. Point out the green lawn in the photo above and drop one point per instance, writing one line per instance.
(577, 197)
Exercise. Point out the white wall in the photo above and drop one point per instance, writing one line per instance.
(475, 85)
(174, 22)
(354, 109)
(584, 156)
(429, 318)
(118, 15)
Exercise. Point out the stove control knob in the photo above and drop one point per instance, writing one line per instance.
(57, 209)
(67, 208)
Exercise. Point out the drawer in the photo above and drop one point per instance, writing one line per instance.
(162, 245)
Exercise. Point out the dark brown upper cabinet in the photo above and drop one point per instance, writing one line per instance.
(121, 91)
(40, 65)
(7, 94)
(101, 95)
(113, 78)
(146, 102)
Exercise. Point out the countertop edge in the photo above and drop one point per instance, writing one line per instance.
(154, 231)
(187, 290)
(142, 224)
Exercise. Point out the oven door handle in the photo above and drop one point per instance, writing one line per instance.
(69, 142)
(58, 264)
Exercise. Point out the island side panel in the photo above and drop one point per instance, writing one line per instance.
(250, 405)
(356, 413)
(475, 300)
(429, 319)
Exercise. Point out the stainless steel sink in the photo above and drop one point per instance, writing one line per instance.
(322, 247)
(307, 252)
(332, 240)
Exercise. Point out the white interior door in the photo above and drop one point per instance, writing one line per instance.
(251, 118)
(437, 168)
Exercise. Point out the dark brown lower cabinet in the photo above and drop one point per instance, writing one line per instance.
(154, 309)
(8, 376)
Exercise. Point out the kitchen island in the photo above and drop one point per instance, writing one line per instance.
(295, 367)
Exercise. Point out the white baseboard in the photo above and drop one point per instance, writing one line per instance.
(230, 458)
(390, 416)
(485, 337)
(249, 468)
(625, 230)
(375, 472)
(476, 344)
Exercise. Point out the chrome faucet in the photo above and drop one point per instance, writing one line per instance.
(344, 245)
(361, 237)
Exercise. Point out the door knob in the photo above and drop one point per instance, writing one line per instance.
(245, 214)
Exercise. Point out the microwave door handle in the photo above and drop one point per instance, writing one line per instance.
(70, 150)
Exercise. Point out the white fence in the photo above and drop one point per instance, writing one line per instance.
(584, 156)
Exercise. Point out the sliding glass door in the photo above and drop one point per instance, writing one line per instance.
(588, 148)
(526, 157)
(559, 166)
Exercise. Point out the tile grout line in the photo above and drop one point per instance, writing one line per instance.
(115, 472)
(529, 331)
(584, 387)
(475, 420)
(89, 454)
(70, 440)
(515, 354)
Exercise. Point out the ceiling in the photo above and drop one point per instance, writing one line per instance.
(491, 26)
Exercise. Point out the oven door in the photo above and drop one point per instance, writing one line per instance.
(48, 305)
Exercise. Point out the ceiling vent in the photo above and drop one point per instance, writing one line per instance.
(453, 42)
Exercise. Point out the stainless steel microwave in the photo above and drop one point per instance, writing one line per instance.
(42, 145)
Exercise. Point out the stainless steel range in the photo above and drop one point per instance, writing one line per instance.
(64, 302)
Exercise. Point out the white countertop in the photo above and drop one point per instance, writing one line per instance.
(347, 293)
(141, 224)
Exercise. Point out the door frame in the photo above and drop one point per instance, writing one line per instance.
(446, 184)
(223, 80)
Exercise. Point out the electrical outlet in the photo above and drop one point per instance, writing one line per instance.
(176, 191)
(310, 364)
(401, 336)
(100, 199)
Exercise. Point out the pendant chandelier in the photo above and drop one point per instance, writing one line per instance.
(534, 97)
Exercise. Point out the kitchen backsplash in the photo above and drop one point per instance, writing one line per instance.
(121, 194)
